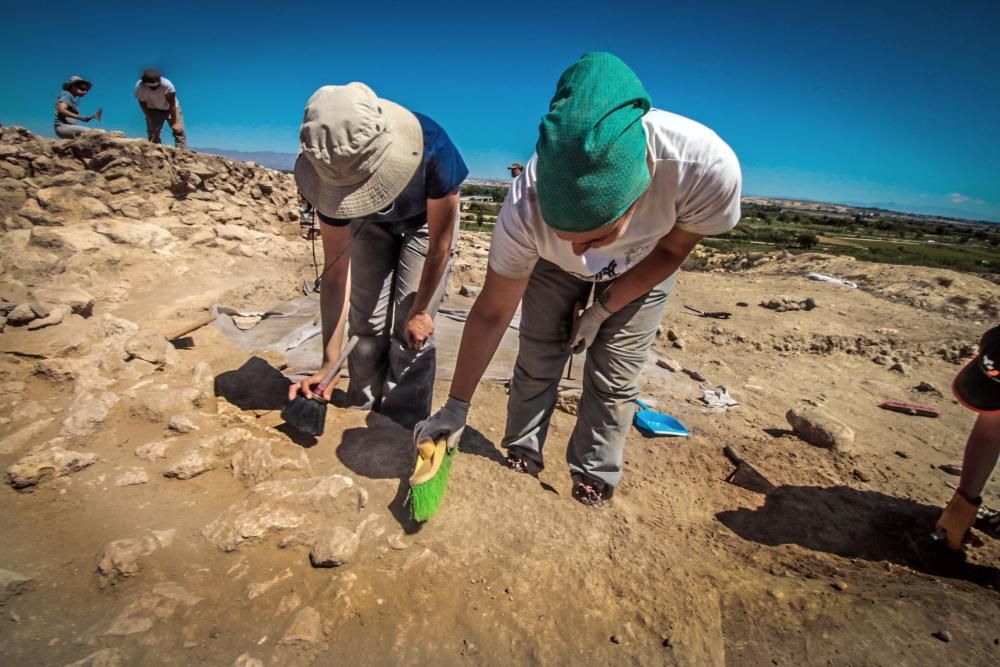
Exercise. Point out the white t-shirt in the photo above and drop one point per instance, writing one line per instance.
(155, 99)
(695, 185)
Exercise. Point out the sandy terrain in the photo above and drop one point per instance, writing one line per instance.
(165, 516)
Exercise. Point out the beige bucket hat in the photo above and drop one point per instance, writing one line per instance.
(357, 152)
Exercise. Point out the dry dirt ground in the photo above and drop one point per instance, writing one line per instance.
(166, 516)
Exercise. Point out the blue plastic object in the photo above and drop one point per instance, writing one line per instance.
(653, 423)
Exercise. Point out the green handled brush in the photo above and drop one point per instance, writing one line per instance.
(430, 478)
(309, 414)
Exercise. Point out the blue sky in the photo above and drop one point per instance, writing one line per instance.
(891, 103)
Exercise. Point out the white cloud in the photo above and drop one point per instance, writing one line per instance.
(957, 198)
(980, 202)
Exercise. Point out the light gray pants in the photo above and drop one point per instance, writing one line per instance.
(386, 375)
(610, 374)
(70, 131)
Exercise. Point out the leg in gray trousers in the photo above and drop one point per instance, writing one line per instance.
(611, 372)
(69, 131)
(385, 374)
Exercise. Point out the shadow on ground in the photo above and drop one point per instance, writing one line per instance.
(384, 450)
(256, 385)
(853, 523)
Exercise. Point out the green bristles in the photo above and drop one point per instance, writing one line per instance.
(426, 498)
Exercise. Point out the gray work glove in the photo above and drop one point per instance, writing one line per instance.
(590, 323)
(449, 422)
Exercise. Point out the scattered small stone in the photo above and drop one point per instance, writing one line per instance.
(465, 290)
(52, 319)
(105, 657)
(132, 477)
(861, 475)
(901, 454)
(120, 559)
(334, 547)
(616, 639)
(927, 388)
(13, 584)
(668, 642)
(943, 635)
(21, 314)
(195, 462)
(820, 428)
(148, 346)
(951, 469)
(679, 344)
(882, 359)
(899, 368)
(153, 450)
(672, 335)
(53, 461)
(181, 424)
(568, 401)
(669, 364)
(694, 375)
(397, 542)
(840, 585)
(305, 628)
(741, 304)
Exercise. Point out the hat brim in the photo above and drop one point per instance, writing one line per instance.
(79, 82)
(381, 188)
(975, 390)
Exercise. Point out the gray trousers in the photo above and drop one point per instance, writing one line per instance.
(70, 131)
(610, 374)
(386, 375)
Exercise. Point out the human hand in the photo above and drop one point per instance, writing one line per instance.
(588, 326)
(956, 520)
(419, 327)
(99, 115)
(310, 386)
(448, 422)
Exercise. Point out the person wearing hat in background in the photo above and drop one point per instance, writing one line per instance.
(614, 199)
(515, 169)
(158, 100)
(385, 185)
(977, 387)
(68, 109)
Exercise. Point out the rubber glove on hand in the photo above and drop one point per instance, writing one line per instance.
(956, 520)
(448, 422)
(588, 326)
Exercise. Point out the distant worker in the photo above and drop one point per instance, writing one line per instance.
(615, 198)
(385, 185)
(158, 101)
(68, 109)
(515, 169)
(977, 387)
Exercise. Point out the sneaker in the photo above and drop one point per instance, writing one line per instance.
(591, 493)
(516, 463)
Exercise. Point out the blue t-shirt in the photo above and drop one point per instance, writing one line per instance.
(73, 103)
(440, 172)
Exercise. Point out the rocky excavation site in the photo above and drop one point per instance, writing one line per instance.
(157, 511)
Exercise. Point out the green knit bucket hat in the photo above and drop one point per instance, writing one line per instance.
(591, 145)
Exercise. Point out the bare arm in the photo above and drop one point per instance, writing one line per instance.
(661, 263)
(442, 217)
(981, 452)
(333, 303)
(63, 110)
(489, 317)
(172, 101)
